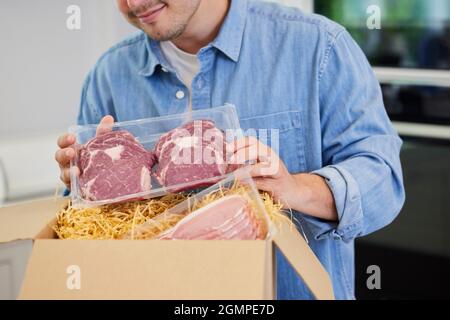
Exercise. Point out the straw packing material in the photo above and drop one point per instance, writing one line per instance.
(145, 219)
(111, 221)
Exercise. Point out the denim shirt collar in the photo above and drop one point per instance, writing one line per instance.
(228, 41)
(154, 57)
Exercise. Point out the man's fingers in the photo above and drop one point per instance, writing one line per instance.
(66, 152)
(245, 156)
(66, 140)
(266, 169)
(241, 144)
(105, 125)
(260, 170)
(64, 156)
(65, 174)
(251, 154)
(264, 185)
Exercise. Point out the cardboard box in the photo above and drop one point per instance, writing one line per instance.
(122, 269)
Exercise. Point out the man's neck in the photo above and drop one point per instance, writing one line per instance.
(204, 26)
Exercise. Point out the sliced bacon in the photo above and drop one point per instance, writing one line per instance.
(230, 218)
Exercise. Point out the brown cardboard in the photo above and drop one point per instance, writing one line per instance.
(25, 221)
(303, 260)
(125, 269)
(147, 270)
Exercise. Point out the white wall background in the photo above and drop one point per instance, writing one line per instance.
(42, 68)
(43, 64)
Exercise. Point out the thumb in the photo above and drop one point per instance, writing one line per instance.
(105, 125)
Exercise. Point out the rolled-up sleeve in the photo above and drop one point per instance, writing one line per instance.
(360, 148)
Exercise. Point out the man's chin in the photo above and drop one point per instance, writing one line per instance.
(161, 34)
(155, 35)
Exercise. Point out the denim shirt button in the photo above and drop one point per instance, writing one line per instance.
(180, 95)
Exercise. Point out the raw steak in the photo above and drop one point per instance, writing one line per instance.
(112, 165)
(230, 218)
(193, 152)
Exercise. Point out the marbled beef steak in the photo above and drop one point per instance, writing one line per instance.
(188, 154)
(112, 165)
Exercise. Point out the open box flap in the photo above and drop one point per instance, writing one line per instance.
(303, 260)
(25, 221)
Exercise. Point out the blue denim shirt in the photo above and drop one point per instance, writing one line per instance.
(283, 69)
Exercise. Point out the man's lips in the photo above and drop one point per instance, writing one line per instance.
(151, 14)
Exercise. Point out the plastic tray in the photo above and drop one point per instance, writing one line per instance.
(147, 132)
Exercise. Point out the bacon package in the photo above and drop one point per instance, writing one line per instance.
(232, 209)
(230, 218)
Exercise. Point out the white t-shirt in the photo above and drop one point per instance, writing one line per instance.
(186, 65)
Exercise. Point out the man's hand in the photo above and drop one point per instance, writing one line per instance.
(67, 151)
(307, 193)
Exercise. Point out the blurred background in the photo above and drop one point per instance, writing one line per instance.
(40, 85)
(411, 57)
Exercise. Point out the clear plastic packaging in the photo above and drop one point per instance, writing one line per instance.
(148, 132)
(230, 186)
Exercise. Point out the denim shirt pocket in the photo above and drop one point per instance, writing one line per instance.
(290, 136)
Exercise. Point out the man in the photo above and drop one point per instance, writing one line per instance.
(301, 74)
